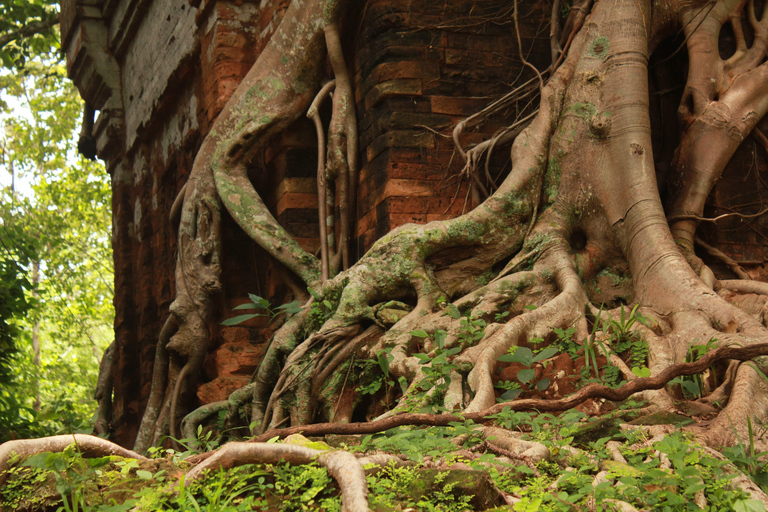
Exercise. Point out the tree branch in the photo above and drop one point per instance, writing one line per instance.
(34, 28)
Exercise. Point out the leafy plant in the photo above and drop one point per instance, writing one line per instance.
(437, 368)
(264, 308)
(471, 329)
(693, 385)
(72, 476)
(747, 459)
(382, 378)
(526, 357)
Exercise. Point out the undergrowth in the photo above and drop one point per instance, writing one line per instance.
(671, 474)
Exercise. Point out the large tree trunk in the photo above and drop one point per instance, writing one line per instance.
(581, 200)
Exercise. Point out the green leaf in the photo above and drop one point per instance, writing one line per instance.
(543, 384)
(143, 474)
(420, 333)
(383, 362)
(453, 312)
(531, 307)
(749, 506)
(691, 387)
(259, 302)
(238, 319)
(403, 384)
(440, 336)
(291, 308)
(545, 354)
(511, 394)
(642, 371)
(526, 375)
(523, 355)
(247, 305)
(39, 460)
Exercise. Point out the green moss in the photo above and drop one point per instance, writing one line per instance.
(617, 279)
(537, 242)
(514, 205)
(552, 177)
(583, 110)
(300, 440)
(486, 277)
(466, 229)
(599, 47)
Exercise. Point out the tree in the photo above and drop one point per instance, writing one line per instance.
(582, 199)
(54, 228)
(26, 30)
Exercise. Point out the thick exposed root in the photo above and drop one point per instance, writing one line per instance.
(342, 466)
(88, 446)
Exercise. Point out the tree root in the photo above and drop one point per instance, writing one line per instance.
(191, 421)
(342, 466)
(88, 446)
(103, 394)
(590, 391)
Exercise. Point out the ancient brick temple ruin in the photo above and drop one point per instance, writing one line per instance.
(159, 72)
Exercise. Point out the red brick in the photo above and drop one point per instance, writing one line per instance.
(457, 106)
(399, 219)
(408, 188)
(399, 87)
(292, 201)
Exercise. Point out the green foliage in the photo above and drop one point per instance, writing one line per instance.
(13, 306)
(744, 457)
(55, 226)
(471, 329)
(15, 16)
(527, 357)
(692, 385)
(394, 489)
(263, 308)
(436, 369)
(416, 443)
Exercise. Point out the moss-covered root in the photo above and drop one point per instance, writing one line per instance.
(191, 421)
(342, 466)
(267, 374)
(89, 446)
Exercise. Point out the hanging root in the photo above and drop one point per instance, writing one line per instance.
(159, 376)
(342, 466)
(103, 393)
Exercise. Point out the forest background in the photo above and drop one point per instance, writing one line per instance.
(56, 274)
